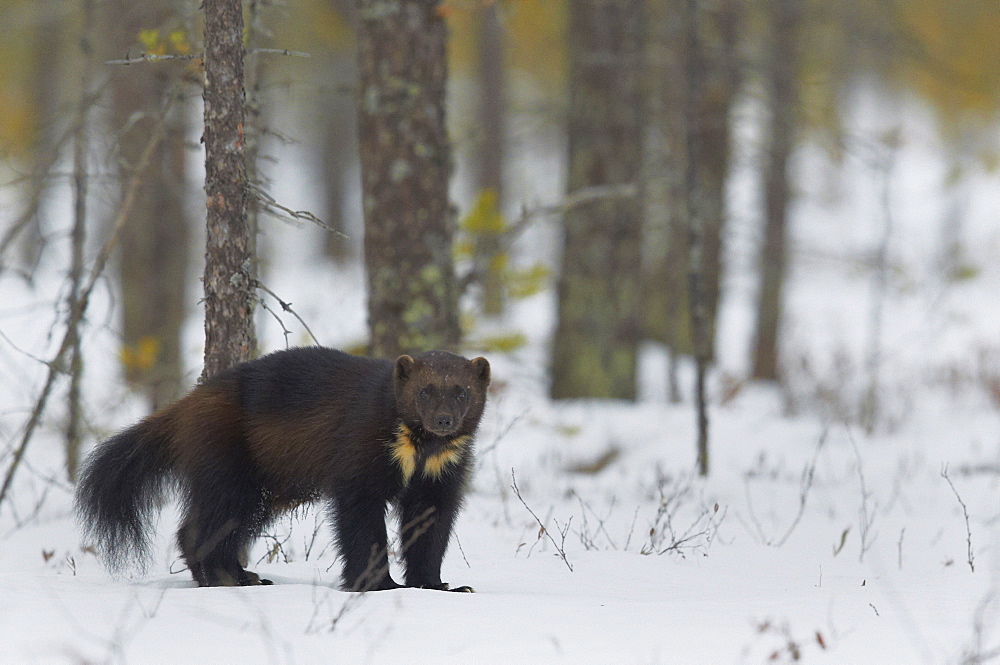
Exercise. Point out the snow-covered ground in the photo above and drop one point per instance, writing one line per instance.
(811, 539)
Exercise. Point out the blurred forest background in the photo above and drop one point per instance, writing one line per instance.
(641, 107)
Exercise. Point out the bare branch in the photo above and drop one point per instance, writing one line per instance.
(965, 512)
(152, 57)
(560, 550)
(285, 307)
(808, 474)
(43, 169)
(271, 206)
(80, 304)
(278, 51)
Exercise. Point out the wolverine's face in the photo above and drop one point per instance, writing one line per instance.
(442, 408)
(441, 390)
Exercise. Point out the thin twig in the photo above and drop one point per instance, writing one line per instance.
(278, 51)
(808, 474)
(272, 207)
(505, 239)
(153, 57)
(43, 170)
(81, 303)
(560, 550)
(286, 307)
(965, 512)
(866, 516)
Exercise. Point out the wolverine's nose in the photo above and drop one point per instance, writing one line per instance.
(444, 422)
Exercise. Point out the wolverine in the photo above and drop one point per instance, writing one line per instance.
(301, 425)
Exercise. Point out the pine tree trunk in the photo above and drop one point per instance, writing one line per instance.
(230, 337)
(773, 257)
(597, 334)
(405, 166)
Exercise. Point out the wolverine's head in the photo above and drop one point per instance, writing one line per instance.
(441, 393)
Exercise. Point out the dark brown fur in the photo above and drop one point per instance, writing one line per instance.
(292, 427)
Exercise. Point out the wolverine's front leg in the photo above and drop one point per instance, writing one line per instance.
(362, 539)
(427, 513)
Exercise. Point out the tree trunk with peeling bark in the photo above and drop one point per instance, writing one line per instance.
(405, 167)
(597, 334)
(230, 337)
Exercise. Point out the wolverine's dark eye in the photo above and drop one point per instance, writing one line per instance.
(460, 393)
(425, 394)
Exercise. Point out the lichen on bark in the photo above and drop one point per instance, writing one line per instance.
(406, 164)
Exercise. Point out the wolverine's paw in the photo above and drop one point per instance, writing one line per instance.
(253, 579)
(444, 587)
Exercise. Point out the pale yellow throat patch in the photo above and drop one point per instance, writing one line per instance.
(405, 455)
(435, 464)
(404, 452)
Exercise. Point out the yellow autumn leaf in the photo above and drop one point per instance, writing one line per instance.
(149, 37)
(179, 43)
(142, 355)
(484, 217)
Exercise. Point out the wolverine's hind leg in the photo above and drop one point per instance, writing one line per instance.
(224, 514)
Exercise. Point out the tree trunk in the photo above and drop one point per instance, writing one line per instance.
(46, 67)
(230, 248)
(773, 257)
(340, 148)
(664, 292)
(597, 334)
(667, 311)
(492, 116)
(153, 257)
(405, 167)
(78, 239)
(699, 184)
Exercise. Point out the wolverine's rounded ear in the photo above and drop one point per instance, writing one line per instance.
(482, 365)
(404, 367)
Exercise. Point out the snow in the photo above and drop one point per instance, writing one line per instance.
(810, 540)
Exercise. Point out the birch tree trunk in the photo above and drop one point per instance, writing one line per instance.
(230, 337)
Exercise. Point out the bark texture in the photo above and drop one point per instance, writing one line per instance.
(405, 168)
(230, 248)
(597, 334)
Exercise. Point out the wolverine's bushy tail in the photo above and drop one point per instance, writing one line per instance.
(119, 489)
